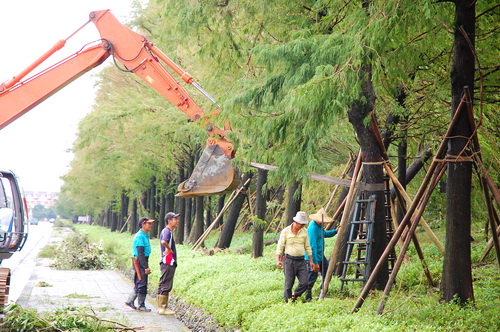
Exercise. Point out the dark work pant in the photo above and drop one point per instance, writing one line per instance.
(166, 279)
(295, 269)
(141, 286)
(313, 276)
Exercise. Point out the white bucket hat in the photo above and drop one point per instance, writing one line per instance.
(301, 218)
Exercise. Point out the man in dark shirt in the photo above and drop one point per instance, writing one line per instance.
(168, 262)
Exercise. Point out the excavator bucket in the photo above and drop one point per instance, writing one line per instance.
(213, 175)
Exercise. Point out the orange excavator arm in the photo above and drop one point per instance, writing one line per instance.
(213, 174)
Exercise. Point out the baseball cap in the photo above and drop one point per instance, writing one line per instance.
(145, 219)
(171, 215)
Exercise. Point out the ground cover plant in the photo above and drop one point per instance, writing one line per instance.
(240, 292)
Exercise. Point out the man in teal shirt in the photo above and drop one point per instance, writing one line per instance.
(141, 249)
(317, 237)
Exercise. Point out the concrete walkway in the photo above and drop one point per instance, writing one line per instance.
(104, 292)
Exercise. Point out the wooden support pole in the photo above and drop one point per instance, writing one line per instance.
(343, 226)
(337, 213)
(334, 192)
(489, 246)
(486, 180)
(371, 280)
(231, 199)
(402, 191)
(126, 222)
(406, 243)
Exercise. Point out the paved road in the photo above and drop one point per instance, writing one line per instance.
(103, 291)
(22, 263)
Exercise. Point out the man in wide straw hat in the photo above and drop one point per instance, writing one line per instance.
(294, 243)
(317, 236)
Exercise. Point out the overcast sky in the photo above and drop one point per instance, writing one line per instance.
(36, 145)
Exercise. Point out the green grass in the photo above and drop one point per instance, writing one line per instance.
(80, 296)
(241, 292)
(49, 251)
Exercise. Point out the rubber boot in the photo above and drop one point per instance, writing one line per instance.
(162, 304)
(142, 299)
(167, 311)
(131, 300)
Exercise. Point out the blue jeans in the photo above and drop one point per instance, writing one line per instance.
(313, 276)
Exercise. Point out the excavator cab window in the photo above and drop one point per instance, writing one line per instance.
(13, 228)
(6, 209)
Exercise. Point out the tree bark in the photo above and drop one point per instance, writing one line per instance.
(402, 150)
(293, 201)
(372, 170)
(180, 206)
(457, 274)
(152, 207)
(260, 202)
(123, 209)
(198, 225)
(232, 218)
(220, 206)
(187, 217)
(134, 218)
(208, 212)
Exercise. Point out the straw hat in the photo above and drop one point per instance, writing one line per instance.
(321, 216)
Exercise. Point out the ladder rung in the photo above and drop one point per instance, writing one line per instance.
(358, 262)
(360, 279)
(362, 222)
(360, 241)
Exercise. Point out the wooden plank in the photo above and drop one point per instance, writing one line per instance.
(264, 166)
(329, 179)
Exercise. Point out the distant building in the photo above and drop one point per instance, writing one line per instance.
(45, 198)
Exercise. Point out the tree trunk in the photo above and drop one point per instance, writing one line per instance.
(123, 210)
(198, 226)
(163, 203)
(260, 202)
(220, 206)
(293, 201)
(457, 274)
(402, 150)
(134, 218)
(187, 217)
(372, 170)
(189, 202)
(227, 233)
(208, 212)
(180, 206)
(152, 207)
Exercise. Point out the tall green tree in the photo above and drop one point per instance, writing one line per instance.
(457, 273)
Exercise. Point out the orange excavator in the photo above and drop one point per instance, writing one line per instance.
(214, 173)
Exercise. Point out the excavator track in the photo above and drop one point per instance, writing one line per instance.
(4, 288)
